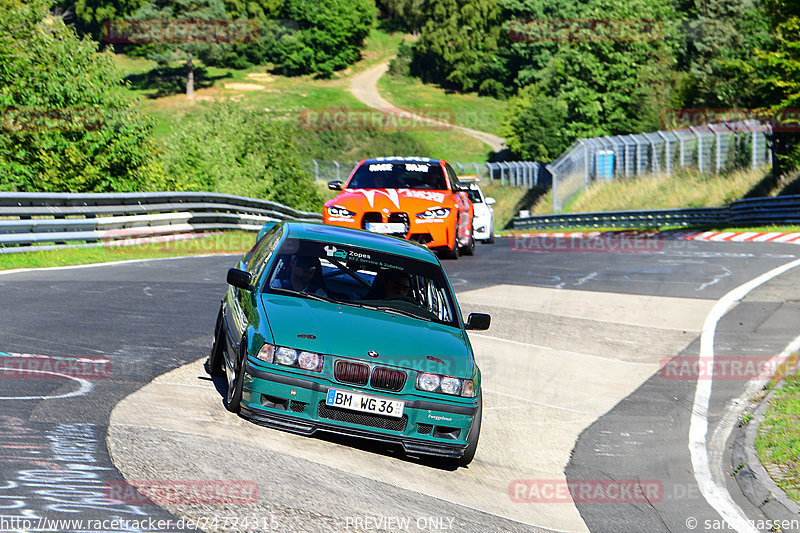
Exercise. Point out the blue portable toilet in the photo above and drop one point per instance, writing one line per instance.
(604, 164)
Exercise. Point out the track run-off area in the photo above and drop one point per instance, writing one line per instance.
(596, 417)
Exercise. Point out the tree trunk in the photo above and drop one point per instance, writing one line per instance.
(189, 77)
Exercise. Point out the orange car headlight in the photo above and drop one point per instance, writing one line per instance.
(435, 212)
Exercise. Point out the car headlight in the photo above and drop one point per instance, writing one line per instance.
(266, 353)
(435, 212)
(340, 212)
(445, 385)
(309, 361)
(285, 356)
(428, 382)
(281, 355)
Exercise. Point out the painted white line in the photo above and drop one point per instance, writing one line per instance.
(548, 348)
(549, 406)
(715, 495)
(109, 263)
(85, 388)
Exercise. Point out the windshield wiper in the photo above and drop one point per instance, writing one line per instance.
(389, 309)
(309, 295)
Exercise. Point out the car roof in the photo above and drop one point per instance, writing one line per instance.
(398, 158)
(315, 231)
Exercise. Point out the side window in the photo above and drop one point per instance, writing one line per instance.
(451, 175)
(262, 249)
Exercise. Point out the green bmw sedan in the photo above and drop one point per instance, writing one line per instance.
(331, 329)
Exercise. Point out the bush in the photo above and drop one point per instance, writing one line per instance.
(229, 149)
(68, 125)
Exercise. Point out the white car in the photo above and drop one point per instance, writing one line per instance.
(483, 217)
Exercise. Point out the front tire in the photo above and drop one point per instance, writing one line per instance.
(469, 249)
(452, 253)
(216, 357)
(233, 398)
(474, 434)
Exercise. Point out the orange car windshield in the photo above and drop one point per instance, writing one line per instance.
(399, 175)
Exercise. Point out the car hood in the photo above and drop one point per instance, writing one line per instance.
(361, 200)
(348, 331)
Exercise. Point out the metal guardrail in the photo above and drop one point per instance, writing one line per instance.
(781, 210)
(36, 221)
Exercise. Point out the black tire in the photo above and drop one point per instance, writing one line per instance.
(490, 240)
(215, 358)
(233, 397)
(474, 434)
(469, 249)
(452, 254)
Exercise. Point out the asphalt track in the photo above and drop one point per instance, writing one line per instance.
(573, 394)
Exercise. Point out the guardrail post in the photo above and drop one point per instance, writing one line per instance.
(585, 163)
(335, 162)
(699, 148)
(718, 134)
(316, 169)
(491, 171)
(638, 155)
(755, 149)
(477, 172)
(666, 152)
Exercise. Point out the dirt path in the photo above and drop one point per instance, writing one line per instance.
(364, 86)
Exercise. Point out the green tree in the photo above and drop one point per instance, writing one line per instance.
(720, 47)
(779, 83)
(68, 124)
(603, 68)
(458, 43)
(91, 16)
(329, 35)
(204, 47)
(229, 148)
(534, 125)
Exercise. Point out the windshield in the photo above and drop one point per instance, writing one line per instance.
(399, 175)
(362, 277)
(474, 196)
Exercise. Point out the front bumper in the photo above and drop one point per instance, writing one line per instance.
(435, 233)
(298, 405)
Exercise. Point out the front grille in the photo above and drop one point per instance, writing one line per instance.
(370, 216)
(362, 419)
(388, 379)
(297, 407)
(354, 373)
(402, 218)
(424, 429)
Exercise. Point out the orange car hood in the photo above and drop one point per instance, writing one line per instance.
(361, 200)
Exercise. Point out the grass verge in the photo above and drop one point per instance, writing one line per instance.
(778, 441)
(685, 189)
(480, 113)
(232, 242)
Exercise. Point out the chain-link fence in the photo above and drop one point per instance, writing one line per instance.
(710, 148)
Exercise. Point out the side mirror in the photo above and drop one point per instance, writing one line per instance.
(335, 185)
(240, 279)
(478, 321)
(490, 200)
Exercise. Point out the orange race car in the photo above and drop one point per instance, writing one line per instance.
(411, 197)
